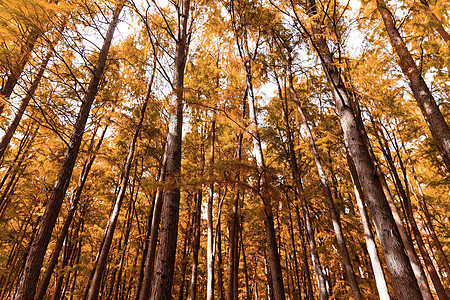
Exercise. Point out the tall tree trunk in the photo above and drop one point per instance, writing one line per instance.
(220, 293)
(368, 235)
(210, 250)
(309, 290)
(407, 242)
(404, 282)
(42, 289)
(294, 251)
(27, 284)
(233, 237)
(272, 248)
(335, 218)
(112, 222)
(429, 222)
(410, 217)
(12, 126)
(184, 262)
(209, 219)
(309, 230)
(143, 288)
(195, 245)
(430, 110)
(164, 267)
(17, 69)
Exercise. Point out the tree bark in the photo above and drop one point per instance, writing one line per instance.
(164, 268)
(430, 110)
(27, 284)
(440, 290)
(404, 282)
(209, 219)
(323, 295)
(12, 126)
(335, 218)
(368, 235)
(112, 222)
(42, 289)
(195, 246)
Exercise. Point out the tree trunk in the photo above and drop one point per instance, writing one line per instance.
(209, 219)
(196, 245)
(429, 222)
(219, 261)
(404, 282)
(143, 288)
(335, 218)
(407, 242)
(164, 267)
(17, 69)
(42, 289)
(27, 285)
(409, 215)
(112, 222)
(430, 110)
(233, 238)
(11, 129)
(368, 235)
(294, 252)
(272, 248)
(309, 290)
(310, 232)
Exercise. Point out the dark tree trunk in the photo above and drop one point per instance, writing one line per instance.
(440, 290)
(27, 284)
(402, 275)
(164, 267)
(43, 285)
(112, 222)
(195, 245)
(335, 218)
(430, 110)
(370, 241)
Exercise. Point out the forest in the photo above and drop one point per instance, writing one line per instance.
(225, 149)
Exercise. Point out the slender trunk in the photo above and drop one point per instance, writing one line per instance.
(209, 219)
(11, 129)
(430, 110)
(410, 217)
(42, 289)
(335, 218)
(220, 293)
(370, 240)
(294, 252)
(233, 238)
(309, 290)
(404, 282)
(125, 246)
(112, 222)
(164, 267)
(406, 239)
(143, 289)
(272, 248)
(196, 245)
(187, 238)
(27, 284)
(429, 222)
(310, 232)
(17, 69)
(244, 259)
